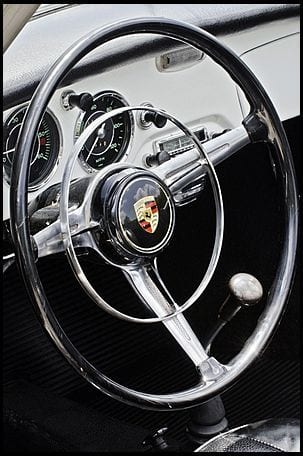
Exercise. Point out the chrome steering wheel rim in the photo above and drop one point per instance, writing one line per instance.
(263, 123)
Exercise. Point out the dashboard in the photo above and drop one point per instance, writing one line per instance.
(191, 87)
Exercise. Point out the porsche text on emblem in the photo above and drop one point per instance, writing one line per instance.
(147, 213)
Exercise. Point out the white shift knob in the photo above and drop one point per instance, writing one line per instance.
(245, 288)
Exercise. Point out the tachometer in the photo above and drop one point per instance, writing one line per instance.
(109, 142)
(45, 151)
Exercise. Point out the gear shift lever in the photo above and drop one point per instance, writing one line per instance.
(208, 419)
(244, 291)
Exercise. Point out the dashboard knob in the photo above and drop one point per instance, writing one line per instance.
(157, 159)
(156, 118)
(83, 101)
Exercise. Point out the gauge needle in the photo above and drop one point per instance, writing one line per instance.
(92, 148)
(100, 134)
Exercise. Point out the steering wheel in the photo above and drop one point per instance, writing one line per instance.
(132, 210)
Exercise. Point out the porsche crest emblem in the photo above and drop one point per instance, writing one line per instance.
(147, 213)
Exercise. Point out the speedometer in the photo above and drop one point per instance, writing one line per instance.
(110, 141)
(45, 152)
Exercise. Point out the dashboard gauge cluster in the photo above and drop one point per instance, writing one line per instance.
(46, 149)
(109, 142)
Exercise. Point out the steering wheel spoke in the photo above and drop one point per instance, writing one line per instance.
(226, 144)
(148, 285)
(49, 240)
(184, 173)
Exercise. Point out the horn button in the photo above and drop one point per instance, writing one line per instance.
(142, 215)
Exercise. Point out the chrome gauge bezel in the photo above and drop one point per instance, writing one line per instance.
(124, 154)
(32, 188)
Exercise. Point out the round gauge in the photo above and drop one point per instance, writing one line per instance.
(45, 151)
(109, 142)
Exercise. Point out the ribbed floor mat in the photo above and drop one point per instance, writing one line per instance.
(268, 389)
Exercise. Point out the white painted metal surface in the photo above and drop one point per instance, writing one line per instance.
(202, 95)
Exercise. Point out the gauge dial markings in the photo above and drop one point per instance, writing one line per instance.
(110, 141)
(45, 151)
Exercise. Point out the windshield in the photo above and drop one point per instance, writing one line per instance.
(46, 8)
